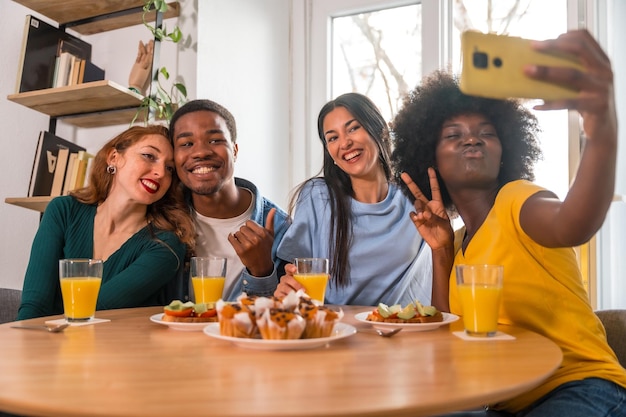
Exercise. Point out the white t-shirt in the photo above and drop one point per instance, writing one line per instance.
(212, 240)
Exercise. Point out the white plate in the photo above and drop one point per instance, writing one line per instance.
(176, 325)
(407, 327)
(340, 331)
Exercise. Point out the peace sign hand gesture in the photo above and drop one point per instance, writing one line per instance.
(430, 217)
(432, 222)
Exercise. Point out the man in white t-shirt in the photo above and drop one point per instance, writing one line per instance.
(232, 218)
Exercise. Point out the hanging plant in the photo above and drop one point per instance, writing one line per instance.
(161, 103)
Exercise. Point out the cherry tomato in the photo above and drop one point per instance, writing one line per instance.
(376, 313)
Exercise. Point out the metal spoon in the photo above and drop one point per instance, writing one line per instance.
(55, 329)
(388, 333)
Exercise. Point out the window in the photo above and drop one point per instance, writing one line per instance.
(377, 53)
(331, 23)
(335, 38)
(532, 19)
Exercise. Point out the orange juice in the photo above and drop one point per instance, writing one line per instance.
(207, 289)
(80, 295)
(480, 304)
(314, 284)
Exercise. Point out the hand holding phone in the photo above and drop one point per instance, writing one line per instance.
(493, 67)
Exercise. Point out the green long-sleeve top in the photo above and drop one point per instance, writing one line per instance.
(144, 271)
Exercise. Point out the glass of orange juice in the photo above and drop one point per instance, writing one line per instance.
(80, 284)
(312, 273)
(480, 294)
(208, 274)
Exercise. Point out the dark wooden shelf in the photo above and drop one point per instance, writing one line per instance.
(94, 104)
(104, 15)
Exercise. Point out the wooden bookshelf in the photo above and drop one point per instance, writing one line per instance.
(105, 15)
(33, 203)
(98, 103)
(94, 104)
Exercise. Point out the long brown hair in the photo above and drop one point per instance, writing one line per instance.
(169, 213)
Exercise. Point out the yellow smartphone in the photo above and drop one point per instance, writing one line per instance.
(493, 67)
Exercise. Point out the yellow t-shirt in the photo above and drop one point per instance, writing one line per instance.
(543, 292)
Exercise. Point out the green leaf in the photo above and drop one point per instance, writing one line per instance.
(176, 35)
(160, 5)
(181, 87)
(164, 72)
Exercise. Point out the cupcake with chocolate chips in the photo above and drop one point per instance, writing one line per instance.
(277, 324)
(320, 320)
(236, 320)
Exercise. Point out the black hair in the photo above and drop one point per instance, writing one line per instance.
(205, 105)
(416, 129)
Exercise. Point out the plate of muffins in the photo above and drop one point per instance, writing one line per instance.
(340, 331)
(269, 323)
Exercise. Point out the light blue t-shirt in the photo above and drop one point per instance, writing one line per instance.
(389, 260)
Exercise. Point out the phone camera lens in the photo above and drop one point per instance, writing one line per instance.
(497, 62)
(480, 59)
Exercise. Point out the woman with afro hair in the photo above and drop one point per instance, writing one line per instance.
(473, 157)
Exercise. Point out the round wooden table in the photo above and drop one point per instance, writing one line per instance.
(131, 366)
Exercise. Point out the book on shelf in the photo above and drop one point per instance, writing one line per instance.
(67, 70)
(47, 166)
(82, 161)
(62, 70)
(77, 64)
(74, 47)
(88, 171)
(59, 172)
(41, 44)
(81, 72)
(71, 166)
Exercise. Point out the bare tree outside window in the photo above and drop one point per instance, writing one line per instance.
(377, 54)
(493, 16)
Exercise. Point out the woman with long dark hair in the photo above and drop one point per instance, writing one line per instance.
(356, 216)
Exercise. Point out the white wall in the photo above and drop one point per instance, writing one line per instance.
(243, 64)
(20, 131)
(115, 52)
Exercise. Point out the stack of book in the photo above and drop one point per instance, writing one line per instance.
(59, 167)
(71, 67)
(51, 57)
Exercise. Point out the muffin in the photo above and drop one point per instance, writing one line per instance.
(280, 324)
(320, 320)
(292, 300)
(236, 320)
